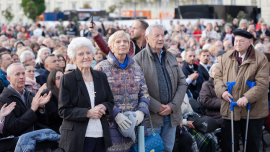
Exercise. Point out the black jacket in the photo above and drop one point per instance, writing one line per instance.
(40, 66)
(73, 104)
(204, 72)
(267, 33)
(22, 119)
(195, 90)
(42, 78)
(54, 121)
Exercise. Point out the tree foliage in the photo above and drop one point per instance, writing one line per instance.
(86, 6)
(57, 9)
(112, 8)
(33, 8)
(7, 14)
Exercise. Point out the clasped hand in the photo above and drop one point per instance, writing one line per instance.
(96, 112)
(165, 110)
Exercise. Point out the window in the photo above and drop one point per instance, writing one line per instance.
(130, 4)
(20, 7)
(176, 3)
(232, 2)
(216, 2)
(145, 4)
(48, 7)
(9, 8)
(59, 5)
(20, 20)
(74, 6)
(194, 2)
(102, 5)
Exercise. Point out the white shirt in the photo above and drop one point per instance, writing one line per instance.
(38, 32)
(243, 56)
(94, 127)
(188, 80)
(204, 65)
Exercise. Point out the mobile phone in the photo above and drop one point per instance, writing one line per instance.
(92, 22)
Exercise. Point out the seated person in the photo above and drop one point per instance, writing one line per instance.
(29, 114)
(197, 145)
(51, 63)
(209, 98)
(6, 110)
(53, 83)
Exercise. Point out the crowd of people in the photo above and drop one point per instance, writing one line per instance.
(94, 85)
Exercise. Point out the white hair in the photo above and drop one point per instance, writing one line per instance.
(40, 51)
(41, 38)
(258, 45)
(23, 55)
(10, 70)
(77, 43)
(243, 20)
(206, 46)
(183, 54)
(46, 40)
(149, 28)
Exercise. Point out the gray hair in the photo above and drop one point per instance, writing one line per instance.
(40, 51)
(9, 69)
(23, 55)
(243, 20)
(148, 30)
(228, 24)
(77, 43)
(258, 45)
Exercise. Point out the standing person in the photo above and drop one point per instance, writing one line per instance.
(166, 84)
(71, 29)
(137, 42)
(247, 64)
(39, 32)
(85, 102)
(54, 121)
(130, 93)
(209, 32)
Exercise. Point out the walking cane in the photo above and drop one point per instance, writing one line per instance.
(251, 85)
(232, 104)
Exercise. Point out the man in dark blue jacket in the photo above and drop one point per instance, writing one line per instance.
(189, 67)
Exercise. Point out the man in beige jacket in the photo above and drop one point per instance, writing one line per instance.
(240, 65)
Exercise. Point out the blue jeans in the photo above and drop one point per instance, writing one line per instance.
(166, 132)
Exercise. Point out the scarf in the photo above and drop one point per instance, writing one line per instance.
(29, 81)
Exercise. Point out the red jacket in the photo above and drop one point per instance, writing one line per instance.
(197, 33)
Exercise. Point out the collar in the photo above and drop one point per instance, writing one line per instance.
(10, 87)
(190, 66)
(113, 60)
(204, 65)
(243, 56)
(233, 54)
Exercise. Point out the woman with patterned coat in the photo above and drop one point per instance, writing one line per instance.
(129, 89)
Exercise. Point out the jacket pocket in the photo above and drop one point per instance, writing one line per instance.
(67, 126)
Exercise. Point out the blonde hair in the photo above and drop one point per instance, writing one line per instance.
(22, 49)
(116, 35)
(57, 52)
(212, 49)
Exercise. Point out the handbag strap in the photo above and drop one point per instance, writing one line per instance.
(152, 130)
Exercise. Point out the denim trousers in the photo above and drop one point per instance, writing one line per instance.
(166, 132)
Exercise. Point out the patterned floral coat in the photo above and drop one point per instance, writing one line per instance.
(130, 94)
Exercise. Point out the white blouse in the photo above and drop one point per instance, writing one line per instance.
(94, 127)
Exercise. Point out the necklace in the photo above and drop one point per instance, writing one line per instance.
(92, 89)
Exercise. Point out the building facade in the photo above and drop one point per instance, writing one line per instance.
(19, 17)
(158, 8)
